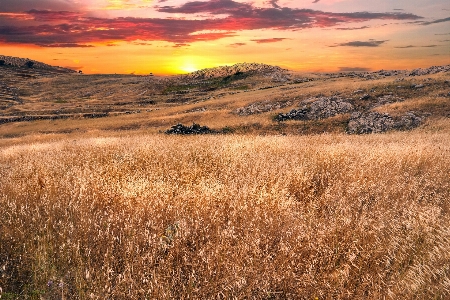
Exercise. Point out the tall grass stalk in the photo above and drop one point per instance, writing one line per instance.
(226, 217)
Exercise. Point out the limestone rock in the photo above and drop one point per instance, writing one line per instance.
(322, 108)
(374, 122)
(327, 107)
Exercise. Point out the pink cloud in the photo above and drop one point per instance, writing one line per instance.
(76, 29)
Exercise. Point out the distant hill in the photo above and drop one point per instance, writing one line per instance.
(234, 69)
(31, 64)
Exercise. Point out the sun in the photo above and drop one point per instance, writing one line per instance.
(189, 64)
(188, 67)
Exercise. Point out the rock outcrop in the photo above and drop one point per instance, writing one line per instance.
(322, 108)
(374, 122)
(194, 129)
(408, 121)
(326, 107)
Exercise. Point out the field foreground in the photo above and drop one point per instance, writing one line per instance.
(222, 217)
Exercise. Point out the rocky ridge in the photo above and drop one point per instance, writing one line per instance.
(389, 73)
(250, 68)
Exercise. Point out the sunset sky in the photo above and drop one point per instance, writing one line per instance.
(172, 36)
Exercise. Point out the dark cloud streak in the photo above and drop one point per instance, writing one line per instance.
(412, 46)
(274, 3)
(370, 43)
(352, 28)
(270, 40)
(436, 21)
(405, 47)
(68, 45)
(237, 45)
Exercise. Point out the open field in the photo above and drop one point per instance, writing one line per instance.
(160, 217)
(96, 202)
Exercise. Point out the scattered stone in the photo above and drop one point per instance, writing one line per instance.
(408, 121)
(194, 129)
(194, 110)
(387, 99)
(295, 114)
(261, 107)
(12, 119)
(418, 86)
(365, 97)
(95, 115)
(431, 70)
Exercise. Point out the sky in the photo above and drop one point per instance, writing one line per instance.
(167, 37)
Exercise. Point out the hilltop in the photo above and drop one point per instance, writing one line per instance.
(26, 63)
(237, 69)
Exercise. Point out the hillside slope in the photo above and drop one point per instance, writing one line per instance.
(245, 98)
(31, 64)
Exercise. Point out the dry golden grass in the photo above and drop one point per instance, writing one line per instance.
(227, 217)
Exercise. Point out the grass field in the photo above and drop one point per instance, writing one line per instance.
(147, 216)
(97, 203)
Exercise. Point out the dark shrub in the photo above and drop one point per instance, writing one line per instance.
(29, 64)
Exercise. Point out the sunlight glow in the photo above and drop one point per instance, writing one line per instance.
(188, 67)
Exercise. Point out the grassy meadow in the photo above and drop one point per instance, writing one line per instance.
(149, 216)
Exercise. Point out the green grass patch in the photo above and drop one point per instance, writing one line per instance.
(241, 88)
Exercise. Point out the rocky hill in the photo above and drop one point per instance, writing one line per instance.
(31, 64)
(247, 68)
